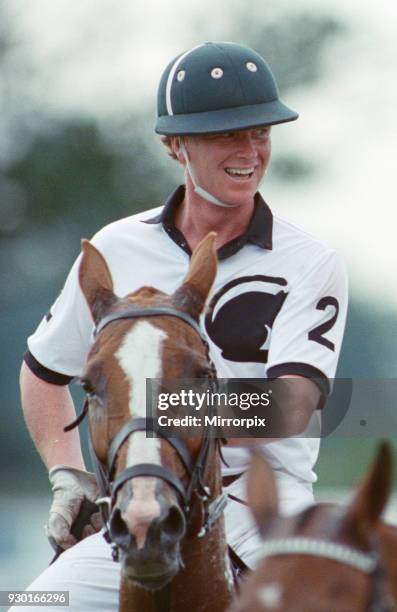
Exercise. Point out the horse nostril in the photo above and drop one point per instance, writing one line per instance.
(173, 524)
(119, 530)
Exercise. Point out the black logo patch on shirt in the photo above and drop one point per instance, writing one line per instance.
(241, 324)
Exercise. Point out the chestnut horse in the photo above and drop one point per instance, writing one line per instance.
(326, 558)
(163, 497)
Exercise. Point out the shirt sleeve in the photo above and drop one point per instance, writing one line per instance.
(58, 349)
(307, 333)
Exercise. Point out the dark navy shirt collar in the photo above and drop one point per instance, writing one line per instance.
(259, 230)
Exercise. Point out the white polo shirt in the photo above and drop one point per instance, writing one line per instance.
(277, 307)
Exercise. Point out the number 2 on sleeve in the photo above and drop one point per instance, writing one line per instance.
(317, 334)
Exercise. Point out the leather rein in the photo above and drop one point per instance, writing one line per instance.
(109, 486)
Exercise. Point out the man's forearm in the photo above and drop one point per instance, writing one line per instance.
(300, 398)
(47, 409)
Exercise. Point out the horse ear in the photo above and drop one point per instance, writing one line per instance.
(95, 281)
(193, 292)
(262, 494)
(365, 510)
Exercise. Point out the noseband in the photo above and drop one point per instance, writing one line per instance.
(369, 563)
(105, 474)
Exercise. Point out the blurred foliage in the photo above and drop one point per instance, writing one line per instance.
(294, 40)
(344, 461)
(71, 172)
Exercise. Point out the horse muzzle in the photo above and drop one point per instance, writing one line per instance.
(149, 552)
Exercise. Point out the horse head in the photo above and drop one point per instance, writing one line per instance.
(154, 484)
(326, 557)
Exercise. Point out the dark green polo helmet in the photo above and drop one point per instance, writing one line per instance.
(218, 87)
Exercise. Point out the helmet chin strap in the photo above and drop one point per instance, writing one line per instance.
(199, 190)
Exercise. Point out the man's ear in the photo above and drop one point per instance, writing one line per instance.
(96, 281)
(176, 142)
(193, 292)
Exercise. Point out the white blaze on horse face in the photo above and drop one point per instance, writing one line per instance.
(270, 596)
(140, 357)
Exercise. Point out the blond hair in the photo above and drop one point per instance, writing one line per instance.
(166, 140)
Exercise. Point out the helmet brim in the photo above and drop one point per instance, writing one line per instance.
(225, 120)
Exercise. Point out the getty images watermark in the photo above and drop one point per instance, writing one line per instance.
(263, 408)
(211, 403)
(229, 408)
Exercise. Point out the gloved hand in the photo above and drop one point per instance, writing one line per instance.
(70, 486)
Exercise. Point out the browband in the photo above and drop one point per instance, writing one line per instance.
(135, 312)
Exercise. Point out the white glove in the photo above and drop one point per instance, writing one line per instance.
(70, 486)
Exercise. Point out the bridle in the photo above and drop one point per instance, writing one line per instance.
(367, 562)
(109, 486)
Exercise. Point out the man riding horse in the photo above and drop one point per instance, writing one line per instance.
(277, 308)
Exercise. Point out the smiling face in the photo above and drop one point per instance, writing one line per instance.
(230, 166)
